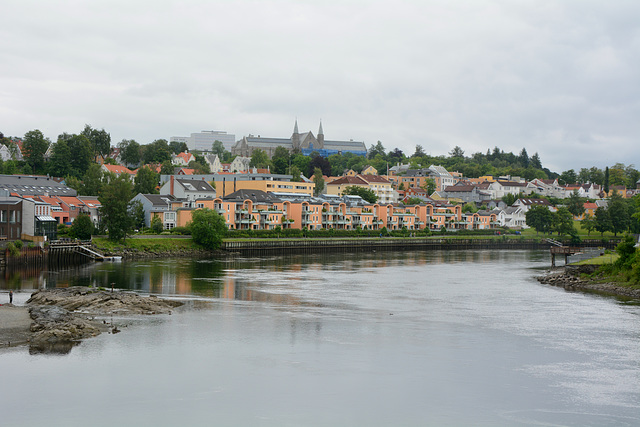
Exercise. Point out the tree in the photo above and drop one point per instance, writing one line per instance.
(146, 181)
(617, 175)
(82, 227)
(419, 151)
(259, 159)
(469, 208)
(60, 161)
(167, 168)
(509, 199)
(295, 174)
(366, 193)
(177, 147)
(523, 158)
(156, 152)
(606, 180)
(457, 152)
(218, 148)
(34, 147)
(603, 221)
(115, 199)
(100, 140)
(568, 177)
(575, 204)
(618, 214)
(429, 185)
(588, 223)
(136, 210)
(562, 222)
(539, 218)
(156, 225)
(395, 156)
(92, 181)
(322, 163)
(83, 154)
(377, 149)
(318, 181)
(207, 228)
(535, 161)
(129, 152)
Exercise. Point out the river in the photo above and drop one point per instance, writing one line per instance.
(440, 338)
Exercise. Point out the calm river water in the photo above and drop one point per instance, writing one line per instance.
(384, 339)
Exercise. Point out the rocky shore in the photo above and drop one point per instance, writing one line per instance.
(570, 278)
(59, 318)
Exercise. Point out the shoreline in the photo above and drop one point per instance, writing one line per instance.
(568, 277)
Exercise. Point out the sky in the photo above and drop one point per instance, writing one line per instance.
(560, 78)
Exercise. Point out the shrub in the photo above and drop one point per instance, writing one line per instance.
(18, 244)
(13, 250)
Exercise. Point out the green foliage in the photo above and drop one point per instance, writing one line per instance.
(13, 250)
(575, 204)
(562, 222)
(618, 214)
(295, 174)
(602, 221)
(18, 244)
(115, 199)
(156, 152)
(366, 193)
(626, 250)
(259, 159)
(588, 223)
(146, 181)
(130, 152)
(100, 140)
(469, 208)
(156, 225)
(82, 227)
(34, 147)
(540, 218)
(207, 228)
(318, 181)
(136, 210)
(178, 147)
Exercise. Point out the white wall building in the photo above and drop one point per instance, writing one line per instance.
(203, 141)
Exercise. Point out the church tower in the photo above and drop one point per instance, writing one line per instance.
(320, 137)
(295, 138)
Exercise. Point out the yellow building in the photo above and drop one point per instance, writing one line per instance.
(231, 185)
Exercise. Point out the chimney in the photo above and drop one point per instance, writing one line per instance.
(171, 185)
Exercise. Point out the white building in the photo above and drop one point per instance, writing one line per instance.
(203, 141)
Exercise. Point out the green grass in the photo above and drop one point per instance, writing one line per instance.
(160, 245)
(582, 233)
(601, 260)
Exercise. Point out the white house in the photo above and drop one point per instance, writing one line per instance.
(188, 189)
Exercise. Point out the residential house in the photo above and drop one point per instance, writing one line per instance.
(468, 193)
(441, 177)
(526, 204)
(215, 166)
(188, 189)
(117, 170)
(369, 170)
(182, 159)
(157, 203)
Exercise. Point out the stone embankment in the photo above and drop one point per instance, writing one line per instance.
(63, 316)
(571, 279)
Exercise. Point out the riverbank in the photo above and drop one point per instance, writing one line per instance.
(573, 278)
(54, 320)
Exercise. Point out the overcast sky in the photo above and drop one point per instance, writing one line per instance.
(561, 78)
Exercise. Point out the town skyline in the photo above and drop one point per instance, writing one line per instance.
(557, 78)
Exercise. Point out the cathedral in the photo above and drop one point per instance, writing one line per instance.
(305, 143)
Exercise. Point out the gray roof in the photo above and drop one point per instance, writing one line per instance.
(196, 185)
(159, 200)
(256, 196)
(34, 186)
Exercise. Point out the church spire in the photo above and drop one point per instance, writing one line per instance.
(320, 131)
(295, 128)
(320, 137)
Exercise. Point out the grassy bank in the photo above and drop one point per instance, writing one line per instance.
(166, 244)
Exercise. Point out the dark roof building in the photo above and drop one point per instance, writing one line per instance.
(28, 185)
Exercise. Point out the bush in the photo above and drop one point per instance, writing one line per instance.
(13, 250)
(18, 244)
(181, 230)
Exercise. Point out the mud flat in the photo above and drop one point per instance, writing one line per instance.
(54, 320)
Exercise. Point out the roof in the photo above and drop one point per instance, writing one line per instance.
(34, 185)
(117, 169)
(195, 185)
(159, 200)
(375, 178)
(349, 180)
(532, 202)
(258, 196)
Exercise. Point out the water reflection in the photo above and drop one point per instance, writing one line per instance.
(225, 278)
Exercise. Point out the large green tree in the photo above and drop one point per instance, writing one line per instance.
(100, 140)
(129, 152)
(115, 199)
(603, 221)
(146, 181)
(562, 222)
(34, 147)
(540, 218)
(259, 159)
(82, 154)
(218, 148)
(208, 228)
(60, 161)
(318, 181)
(618, 213)
(156, 152)
(82, 227)
(575, 203)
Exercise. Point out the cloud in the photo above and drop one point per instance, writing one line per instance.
(556, 77)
